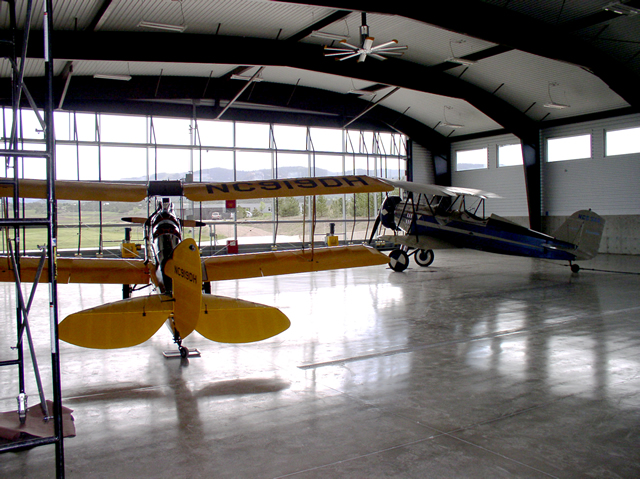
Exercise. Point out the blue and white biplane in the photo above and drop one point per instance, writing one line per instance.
(435, 217)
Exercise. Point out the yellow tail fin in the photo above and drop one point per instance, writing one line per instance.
(116, 325)
(186, 275)
(229, 320)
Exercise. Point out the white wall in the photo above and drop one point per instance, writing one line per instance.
(423, 170)
(506, 181)
(607, 185)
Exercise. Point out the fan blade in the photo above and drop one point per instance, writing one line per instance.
(339, 54)
(391, 49)
(334, 49)
(368, 43)
(363, 57)
(344, 43)
(384, 45)
(377, 56)
(350, 56)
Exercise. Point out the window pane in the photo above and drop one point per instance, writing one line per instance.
(325, 139)
(216, 166)
(569, 148)
(253, 166)
(173, 163)
(119, 163)
(215, 133)
(622, 142)
(69, 156)
(85, 126)
(290, 137)
(472, 159)
(291, 165)
(34, 168)
(171, 131)
(509, 155)
(252, 135)
(328, 165)
(124, 129)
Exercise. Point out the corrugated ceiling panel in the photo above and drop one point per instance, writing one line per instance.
(553, 11)
(227, 17)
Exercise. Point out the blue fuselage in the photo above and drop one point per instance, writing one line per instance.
(494, 234)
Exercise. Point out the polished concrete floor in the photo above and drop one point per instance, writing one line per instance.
(478, 366)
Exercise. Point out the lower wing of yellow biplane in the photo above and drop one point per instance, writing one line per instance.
(132, 321)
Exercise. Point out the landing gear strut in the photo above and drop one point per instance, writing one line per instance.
(183, 352)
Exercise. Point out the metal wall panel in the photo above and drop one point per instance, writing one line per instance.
(506, 181)
(608, 185)
(423, 171)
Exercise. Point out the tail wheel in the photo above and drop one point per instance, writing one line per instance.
(398, 260)
(424, 257)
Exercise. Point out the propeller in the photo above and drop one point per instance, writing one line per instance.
(346, 50)
(386, 215)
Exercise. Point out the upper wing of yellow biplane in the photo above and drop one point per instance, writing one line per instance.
(80, 270)
(134, 192)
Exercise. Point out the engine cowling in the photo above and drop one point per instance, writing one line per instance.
(387, 212)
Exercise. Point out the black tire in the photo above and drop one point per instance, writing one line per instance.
(398, 260)
(575, 268)
(184, 352)
(424, 257)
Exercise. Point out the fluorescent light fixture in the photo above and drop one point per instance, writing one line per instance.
(455, 126)
(163, 26)
(445, 122)
(362, 92)
(246, 78)
(556, 106)
(552, 103)
(622, 9)
(461, 61)
(327, 36)
(106, 76)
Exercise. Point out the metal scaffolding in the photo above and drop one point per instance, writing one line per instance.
(14, 224)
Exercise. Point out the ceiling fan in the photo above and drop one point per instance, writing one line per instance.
(346, 50)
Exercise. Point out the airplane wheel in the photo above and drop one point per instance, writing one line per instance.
(398, 260)
(424, 257)
(575, 268)
(184, 352)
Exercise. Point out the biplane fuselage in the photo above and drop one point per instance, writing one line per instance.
(493, 235)
(435, 217)
(173, 265)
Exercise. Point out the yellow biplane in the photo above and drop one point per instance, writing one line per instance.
(175, 269)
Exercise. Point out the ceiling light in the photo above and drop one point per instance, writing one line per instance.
(163, 26)
(552, 103)
(557, 106)
(327, 36)
(246, 78)
(362, 92)
(455, 59)
(461, 61)
(622, 9)
(455, 126)
(106, 76)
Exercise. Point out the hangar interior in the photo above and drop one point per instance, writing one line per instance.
(477, 366)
